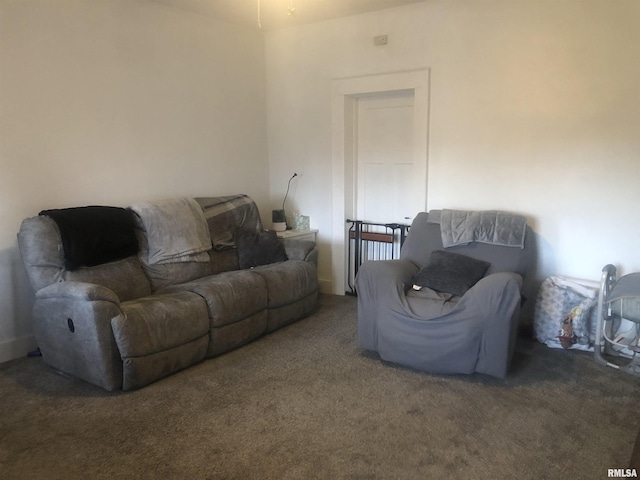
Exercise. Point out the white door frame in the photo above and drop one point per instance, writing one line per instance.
(345, 92)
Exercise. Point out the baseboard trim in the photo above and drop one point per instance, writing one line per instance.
(17, 348)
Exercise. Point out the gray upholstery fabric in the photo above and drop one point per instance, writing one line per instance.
(292, 291)
(424, 237)
(473, 333)
(125, 278)
(300, 250)
(230, 296)
(159, 322)
(127, 323)
(78, 291)
(459, 227)
(160, 334)
(473, 337)
(223, 261)
(234, 335)
(287, 282)
(74, 335)
(224, 215)
(163, 275)
(286, 314)
(176, 231)
(450, 272)
(376, 283)
(259, 248)
(141, 371)
(41, 249)
(427, 303)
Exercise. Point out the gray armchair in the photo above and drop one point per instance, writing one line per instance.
(453, 323)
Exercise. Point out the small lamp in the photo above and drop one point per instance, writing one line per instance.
(279, 220)
(278, 217)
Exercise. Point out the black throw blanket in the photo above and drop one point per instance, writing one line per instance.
(95, 235)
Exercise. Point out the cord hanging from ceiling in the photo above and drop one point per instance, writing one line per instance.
(291, 11)
(259, 22)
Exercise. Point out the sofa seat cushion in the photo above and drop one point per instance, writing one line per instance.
(226, 338)
(287, 282)
(230, 296)
(159, 335)
(159, 322)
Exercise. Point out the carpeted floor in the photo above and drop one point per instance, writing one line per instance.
(306, 403)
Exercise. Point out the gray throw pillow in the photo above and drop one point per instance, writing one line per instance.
(258, 248)
(451, 272)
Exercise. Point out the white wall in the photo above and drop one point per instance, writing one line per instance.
(534, 108)
(116, 101)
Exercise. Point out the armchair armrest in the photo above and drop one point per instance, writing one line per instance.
(491, 286)
(385, 275)
(478, 334)
(374, 283)
(496, 299)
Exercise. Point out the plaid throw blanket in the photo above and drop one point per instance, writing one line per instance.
(225, 215)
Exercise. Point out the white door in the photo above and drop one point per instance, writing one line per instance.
(387, 178)
(345, 169)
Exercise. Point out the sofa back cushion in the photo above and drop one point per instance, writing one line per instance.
(223, 216)
(162, 275)
(42, 252)
(224, 261)
(94, 235)
(425, 237)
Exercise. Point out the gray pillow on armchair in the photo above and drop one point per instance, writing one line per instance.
(451, 272)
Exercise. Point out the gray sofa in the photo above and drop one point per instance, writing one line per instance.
(131, 321)
(452, 323)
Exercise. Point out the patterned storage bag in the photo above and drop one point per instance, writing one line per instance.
(565, 313)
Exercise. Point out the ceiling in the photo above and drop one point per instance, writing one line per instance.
(275, 13)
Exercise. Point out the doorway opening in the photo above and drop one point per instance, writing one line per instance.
(380, 133)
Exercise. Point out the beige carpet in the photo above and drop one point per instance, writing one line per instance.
(306, 403)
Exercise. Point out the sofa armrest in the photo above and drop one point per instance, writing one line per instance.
(72, 323)
(300, 250)
(78, 291)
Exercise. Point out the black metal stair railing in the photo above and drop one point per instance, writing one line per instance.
(372, 241)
